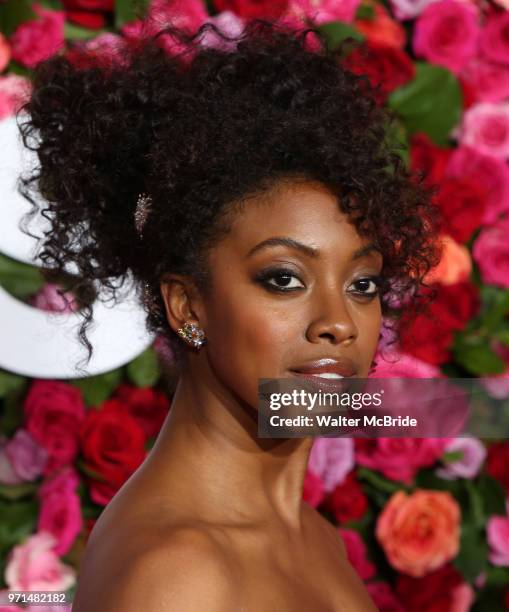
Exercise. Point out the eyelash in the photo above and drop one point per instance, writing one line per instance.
(265, 275)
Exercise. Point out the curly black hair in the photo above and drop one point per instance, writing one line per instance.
(200, 129)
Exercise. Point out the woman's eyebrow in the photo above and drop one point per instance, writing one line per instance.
(306, 249)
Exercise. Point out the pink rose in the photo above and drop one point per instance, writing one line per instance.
(408, 9)
(60, 509)
(497, 530)
(384, 597)
(419, 532)
(473, 454)
(331, 459)
(494, 39)
(393, 364)
(398, 458)
(488, 82)
(50, 300)
(34, 566)
(322, 11)
(38, 39)
(485, 127)
(14, 92)
(5, 52)
(446, 33)
(25, 457)
(313, 492)
(105, 50)
(491, 254)
(357, 553)
(54, 412)
(186, 14)
(490, 172)
(229, 24)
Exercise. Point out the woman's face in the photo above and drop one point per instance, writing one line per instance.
(292, 283)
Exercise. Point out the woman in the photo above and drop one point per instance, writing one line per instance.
(250, 189)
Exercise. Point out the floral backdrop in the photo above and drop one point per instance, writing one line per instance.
(425, 521)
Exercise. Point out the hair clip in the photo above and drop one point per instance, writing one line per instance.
(143, 208)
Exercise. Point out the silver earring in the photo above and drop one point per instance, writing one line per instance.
(193, 334)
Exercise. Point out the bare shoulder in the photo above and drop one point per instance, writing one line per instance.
(327, 529)
(187, 571)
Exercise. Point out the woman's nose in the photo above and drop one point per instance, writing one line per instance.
(332, 321)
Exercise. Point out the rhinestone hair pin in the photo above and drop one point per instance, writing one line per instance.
(143, 208)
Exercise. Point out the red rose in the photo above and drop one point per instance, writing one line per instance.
(427, 158)
(88, 13)
(385, 66)
(251, 9)
(113, 446)
(462, 202)
(438, 591)
(347, 501)
(313, 492)
(148, 406)
(429, 337)
(497, 462)
(54, 412)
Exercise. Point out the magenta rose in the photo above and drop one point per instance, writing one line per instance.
(54, 412)
(398, 458)
(473, 454)
(393, 364)
(384, 597)
(49, 299)
(322, 11)
(408, 9)
(313, 492)
(497, 530)
(491, 254)
(488, 82)
(490, 172)
(38, 39)
(60, 509)
(357, 553)
(485, 127)
(494, 39)
(446, 33)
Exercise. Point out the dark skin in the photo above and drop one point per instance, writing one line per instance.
(214, 518)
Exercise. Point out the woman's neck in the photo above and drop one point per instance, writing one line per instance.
(210, 458)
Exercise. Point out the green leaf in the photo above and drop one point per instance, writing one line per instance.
(336, 32)
(13, 13)
(144, 370)
(476, 507)
(14, 492)
(17, 521)
(10, 383)
(495, 305)
(502, 336)
(379, 482)
(20, 279)
(430, 103)
(97, 389)
(497, 576)
(75, 32)
(129, 10)
(474, 353)
(452, 456)
(490, 599)
(55, 5)
(492, 494)
(365, 11)
(473, 553)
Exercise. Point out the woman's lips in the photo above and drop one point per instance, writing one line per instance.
(336, 384)
(327, 368)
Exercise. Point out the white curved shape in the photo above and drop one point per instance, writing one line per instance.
(37, 343)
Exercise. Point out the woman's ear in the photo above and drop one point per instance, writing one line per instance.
(182, 300)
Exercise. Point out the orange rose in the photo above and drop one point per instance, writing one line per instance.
(419, 532)
(382, 28)
(455, 265)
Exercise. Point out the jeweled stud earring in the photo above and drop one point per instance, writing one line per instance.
(193, 334)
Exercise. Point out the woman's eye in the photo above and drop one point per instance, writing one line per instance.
(368, 286)
(282, 280)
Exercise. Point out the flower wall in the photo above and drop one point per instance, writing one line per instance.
(425, 521)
